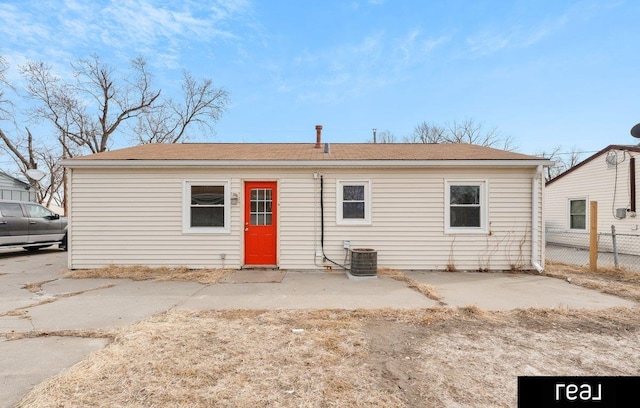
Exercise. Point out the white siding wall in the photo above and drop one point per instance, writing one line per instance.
(134, 216)
(11, 189)
(594, 181)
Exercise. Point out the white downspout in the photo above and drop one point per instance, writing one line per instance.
(535, 230)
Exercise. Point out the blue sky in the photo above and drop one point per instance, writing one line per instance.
(545, 73)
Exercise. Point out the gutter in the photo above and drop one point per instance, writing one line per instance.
(535, 231)
(71, 163)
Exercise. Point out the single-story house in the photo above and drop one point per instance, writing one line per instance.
(305, 205)
(610, 178)
(12, 188)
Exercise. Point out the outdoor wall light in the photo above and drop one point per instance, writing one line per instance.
(234, 198)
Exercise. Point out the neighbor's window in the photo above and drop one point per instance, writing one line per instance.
(466, 208)
(353, 202)
(578, 214)
(206, 207)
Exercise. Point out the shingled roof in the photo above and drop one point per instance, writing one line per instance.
(304, 152)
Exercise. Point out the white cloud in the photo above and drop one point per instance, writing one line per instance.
(523, 35)
(488, 42)
(126, 27)
(349, 70)
(21, 25)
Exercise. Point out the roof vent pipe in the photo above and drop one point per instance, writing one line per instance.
(326, 148)
(318, 136)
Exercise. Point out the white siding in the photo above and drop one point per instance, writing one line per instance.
(134, 216)
(12, 189)
(596, 181)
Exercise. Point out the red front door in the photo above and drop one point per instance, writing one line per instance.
(260, 215)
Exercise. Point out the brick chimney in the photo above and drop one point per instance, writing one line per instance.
(318, 136)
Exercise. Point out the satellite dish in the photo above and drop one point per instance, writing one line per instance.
(635, 131)
(38, 175)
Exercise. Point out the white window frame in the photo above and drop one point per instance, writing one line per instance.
(186, 207)
(340, 220)
(586, 213)
(484, 206)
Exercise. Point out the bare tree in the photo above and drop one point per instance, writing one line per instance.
(27, 157)
(384, 137)
(466, 131)
(562, 161)
(202, 104)
(5, 104)
(87, 111)
(427, 133)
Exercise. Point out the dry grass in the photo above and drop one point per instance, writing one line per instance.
(423, 288)
(139, 272)
(613, 281)
(36, 287)
(335, 358)
(438, 357)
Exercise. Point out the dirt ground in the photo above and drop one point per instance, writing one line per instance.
(440, 357)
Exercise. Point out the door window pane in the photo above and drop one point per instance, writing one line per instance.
(261, 206)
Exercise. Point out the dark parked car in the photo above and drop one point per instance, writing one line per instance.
(31, 226)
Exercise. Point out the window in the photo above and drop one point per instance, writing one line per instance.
(353, 202)
(578, 214)
(206, 207)
(10, 210)
(38, 211)
(466, 207)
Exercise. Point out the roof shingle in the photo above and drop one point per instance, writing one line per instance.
(306, 152)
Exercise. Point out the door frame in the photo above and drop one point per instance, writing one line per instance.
(276, 210)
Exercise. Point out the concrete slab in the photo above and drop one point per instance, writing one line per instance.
(126, 303)
(9, 324)
(310, 290)
(49, 261)
(12, 298)
(19, 268)
(28, 362)
(254, 276)
(504, 291)
(62, 287)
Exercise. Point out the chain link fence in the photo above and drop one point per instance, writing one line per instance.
(615, 250)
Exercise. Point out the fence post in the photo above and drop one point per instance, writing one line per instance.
(615, 246)
(593, 236)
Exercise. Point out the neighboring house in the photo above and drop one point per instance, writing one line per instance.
(12, 188)
(610, 178)
(297, 206)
